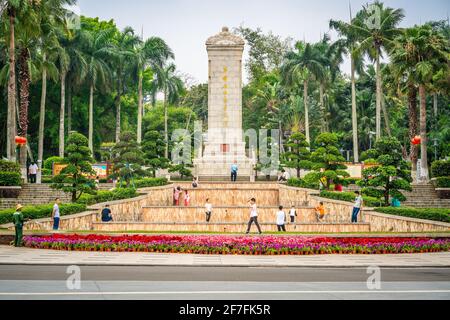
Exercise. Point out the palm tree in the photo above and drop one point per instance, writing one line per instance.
(99, 48)
(153, 52)
(346, 46)
(124, 45)
(375, 26)
(422, 53)
(303, 64)
(172, 86)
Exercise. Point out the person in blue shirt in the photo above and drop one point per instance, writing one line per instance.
(106, 214)
(234, 170)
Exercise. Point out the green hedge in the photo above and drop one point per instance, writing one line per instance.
(150, 182)
(440, 168)
(10, 179)
(41, 211)
(105, 196)
(350, 197)
(9, 166)
(48, 163)
(443, 182)
(300, 183)
(442, 215)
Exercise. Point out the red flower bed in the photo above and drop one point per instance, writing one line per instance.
(220, 244)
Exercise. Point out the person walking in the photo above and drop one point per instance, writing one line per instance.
(281, 219)
(18, 226)
(106, 214)
(187, 198)
(292, 214)
(234, 171)
(208, 210)
(357, 207)
(32, 171)
(253, 216)
(55, 214)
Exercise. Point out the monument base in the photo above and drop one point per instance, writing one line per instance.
(214, 168)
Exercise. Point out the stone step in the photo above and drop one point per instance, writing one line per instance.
(239, 227)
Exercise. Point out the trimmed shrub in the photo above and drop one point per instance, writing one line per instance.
(443, 182)
(441, 168)
(10, 179)
(300, 183)
(150, 182)
(435, 214)
(9, 166)
(46, 172)
(350, 197)
(41, 211)
(105, 196)
(48, 163)
(352, 180)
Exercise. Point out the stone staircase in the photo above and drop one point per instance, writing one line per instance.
(424, 196)
(34, 194)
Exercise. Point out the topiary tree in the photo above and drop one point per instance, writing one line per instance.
(182, 169)
(327, 161)
(298, 156)
(391, 173)
(153, 148)
(75, 177)
(129, 158)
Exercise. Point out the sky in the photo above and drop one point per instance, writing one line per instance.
(186, 24)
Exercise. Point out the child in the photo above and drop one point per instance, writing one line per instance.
(320, 211)
(208, 210)
(281, 219)
(187, 198)
(195, 182)
(176, 196)
(292, 214)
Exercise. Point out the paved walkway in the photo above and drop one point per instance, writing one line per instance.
(26, 256)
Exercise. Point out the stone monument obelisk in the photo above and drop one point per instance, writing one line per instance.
(224, 144)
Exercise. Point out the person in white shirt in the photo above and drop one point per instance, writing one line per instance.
(281, 219)
(253, 216)
(357, 207)
(56, 214)
(208, 210)
(32, 170)
(292, 214)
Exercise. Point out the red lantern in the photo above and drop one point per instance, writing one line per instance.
(416, 140)
(20, 141)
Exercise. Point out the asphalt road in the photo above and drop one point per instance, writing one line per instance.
(221, 283)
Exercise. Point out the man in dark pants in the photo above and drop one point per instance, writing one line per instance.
(234, 170)
(253, 216)
(18, 225)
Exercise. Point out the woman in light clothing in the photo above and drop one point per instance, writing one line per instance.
(253, 216)
(208, 210)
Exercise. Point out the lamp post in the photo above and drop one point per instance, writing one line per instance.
(371, 133)
(435, 144)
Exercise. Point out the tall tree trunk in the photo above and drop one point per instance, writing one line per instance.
(354, 115)
(378, 97)
(42, 123)
(24, 81)
(386, 116)
(435, 106)
(166, 132)
(62, 113)
(423, 134)
(118, 121)
(305, 101)
(12, 91)
(69, 107)
(91, 118)
(323, 127)
(140, 107)
(412, 115)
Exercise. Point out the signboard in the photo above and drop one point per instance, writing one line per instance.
(57, 167)
(101, 170)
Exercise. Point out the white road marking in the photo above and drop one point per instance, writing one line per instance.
(216, 292)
